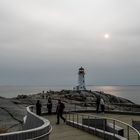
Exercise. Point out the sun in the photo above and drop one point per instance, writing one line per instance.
(106, 36)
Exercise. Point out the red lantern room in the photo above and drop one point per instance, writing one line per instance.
(81, 71)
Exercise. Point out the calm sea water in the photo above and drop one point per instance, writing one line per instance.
(130, 92)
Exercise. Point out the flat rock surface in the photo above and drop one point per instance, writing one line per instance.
(11, 115)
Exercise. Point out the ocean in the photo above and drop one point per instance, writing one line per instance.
(129, 92)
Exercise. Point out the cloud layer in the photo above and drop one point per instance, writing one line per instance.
(46, 41)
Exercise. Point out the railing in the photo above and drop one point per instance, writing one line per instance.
(91, 106)
(134, 108)
(111, 108)
(35, 128)
(129, 132)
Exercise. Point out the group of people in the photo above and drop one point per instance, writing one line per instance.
(100, 104)
(59, 109)
(100, 107)
(39, 106)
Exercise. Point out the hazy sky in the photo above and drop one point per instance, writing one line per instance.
(44, 42)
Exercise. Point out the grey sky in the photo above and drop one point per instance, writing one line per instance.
(46, 41)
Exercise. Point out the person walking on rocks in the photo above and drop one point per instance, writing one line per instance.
(59, 111)
(102, 105)
(38, 107)
(49, 105)
(98, 103)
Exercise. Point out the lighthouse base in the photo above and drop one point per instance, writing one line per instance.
(79, 88)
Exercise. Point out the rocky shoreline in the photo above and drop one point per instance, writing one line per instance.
(12, 110)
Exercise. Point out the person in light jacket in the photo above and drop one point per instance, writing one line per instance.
(102, 103)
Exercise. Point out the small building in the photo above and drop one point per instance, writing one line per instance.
(81, 80)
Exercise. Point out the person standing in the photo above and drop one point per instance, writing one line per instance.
(49, 105)
(59, 111)
(98, 98)
(102, 105)
(38, 107)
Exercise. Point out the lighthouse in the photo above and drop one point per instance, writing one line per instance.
(81, 79)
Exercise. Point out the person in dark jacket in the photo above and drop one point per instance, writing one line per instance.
(49, 105)
(38, 107)
(98, 98)
(59, 110)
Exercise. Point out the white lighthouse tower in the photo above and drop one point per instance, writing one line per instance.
(81, 79)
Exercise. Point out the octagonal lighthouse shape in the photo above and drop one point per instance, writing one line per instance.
(81, 79)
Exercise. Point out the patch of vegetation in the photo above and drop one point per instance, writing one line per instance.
(3, 130)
